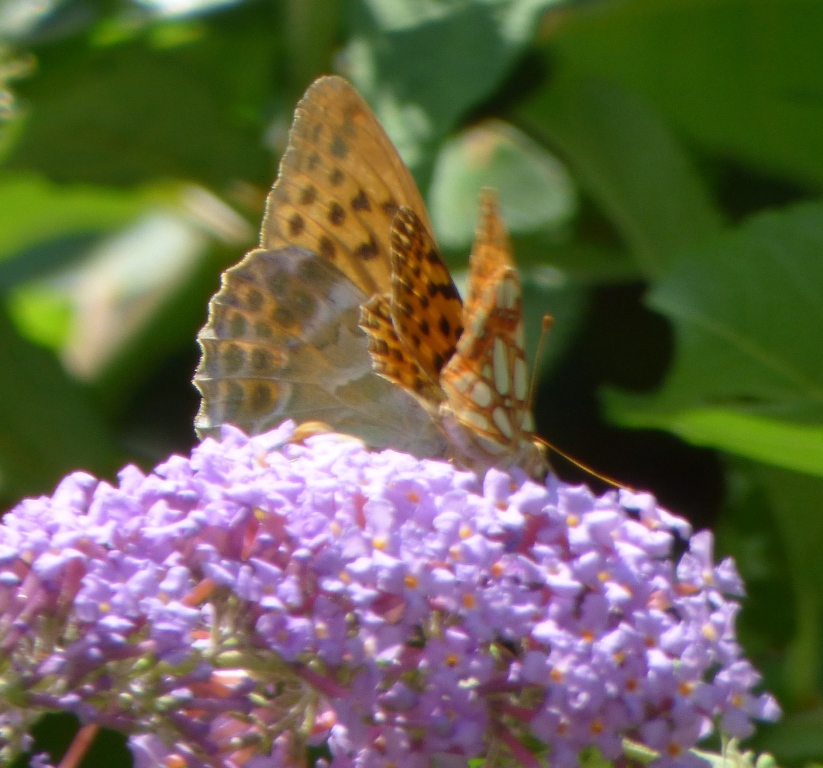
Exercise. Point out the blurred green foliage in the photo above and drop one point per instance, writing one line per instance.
(660, 163)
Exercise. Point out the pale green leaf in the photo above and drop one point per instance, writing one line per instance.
(772, 441)
(534, 189)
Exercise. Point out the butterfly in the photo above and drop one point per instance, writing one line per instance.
(347, 314)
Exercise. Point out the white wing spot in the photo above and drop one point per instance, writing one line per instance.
(482, 394)
(500, 363)
(492, 446)
(501, 421)
(475, 419)
(508, 291)
(521, 379)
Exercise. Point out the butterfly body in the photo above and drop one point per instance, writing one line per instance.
(348, 315)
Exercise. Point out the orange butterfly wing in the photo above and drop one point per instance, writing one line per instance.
(486, 381)
(340, 184)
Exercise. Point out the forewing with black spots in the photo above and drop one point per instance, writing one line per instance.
(340, 184)
(425, 306)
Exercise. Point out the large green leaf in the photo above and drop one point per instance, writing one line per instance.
(627, 159)
(744, 77)
(747, 312)
(773, 441)
(154, 106)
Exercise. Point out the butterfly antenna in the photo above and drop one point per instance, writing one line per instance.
(546, 326)
(580, 465)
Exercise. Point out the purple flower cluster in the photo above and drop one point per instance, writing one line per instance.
(269, 594)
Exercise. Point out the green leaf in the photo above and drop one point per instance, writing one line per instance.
(627, 159)
(128, 112)
(129, 282)
(749, 364)
(424, 64)
(534, 189)
(743, 78)
(771, 441)
(34, 212)
(46, 258)
(41, 315)
(48, 426)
